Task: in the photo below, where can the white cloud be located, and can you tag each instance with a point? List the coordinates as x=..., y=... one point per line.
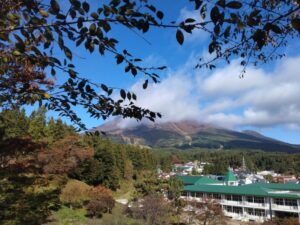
x=261, y=99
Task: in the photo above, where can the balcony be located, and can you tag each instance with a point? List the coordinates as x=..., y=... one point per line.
x=244, y=204
x=285, y=208
x=232, y=203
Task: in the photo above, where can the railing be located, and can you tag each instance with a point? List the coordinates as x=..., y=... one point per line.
x=244, y=204
x=244, y=216
x=285, y=207
x=228, y=202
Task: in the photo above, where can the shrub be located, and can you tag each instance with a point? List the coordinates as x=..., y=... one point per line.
x=75, y=193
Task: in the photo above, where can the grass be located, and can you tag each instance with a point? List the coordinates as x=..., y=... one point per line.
x=67, y=216
x=125, y=190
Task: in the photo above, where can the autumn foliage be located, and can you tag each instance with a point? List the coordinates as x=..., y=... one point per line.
x=63, y=156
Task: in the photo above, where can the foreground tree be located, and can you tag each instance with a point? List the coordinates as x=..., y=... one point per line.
x=153, y=209
x=206, y=213
x=31, y=31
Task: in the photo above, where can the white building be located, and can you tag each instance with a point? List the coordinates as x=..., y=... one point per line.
x=252, y=202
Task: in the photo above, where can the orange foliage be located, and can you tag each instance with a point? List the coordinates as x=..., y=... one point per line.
x=63, y=156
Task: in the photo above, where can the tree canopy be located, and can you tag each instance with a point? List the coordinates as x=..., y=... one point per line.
x=33, y=32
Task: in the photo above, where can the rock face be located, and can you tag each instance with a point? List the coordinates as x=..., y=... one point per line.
x=191, y=134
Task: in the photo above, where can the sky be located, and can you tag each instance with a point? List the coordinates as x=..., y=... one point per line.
x=265, y=100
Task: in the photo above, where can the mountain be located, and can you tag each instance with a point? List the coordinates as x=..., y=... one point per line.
x=188, y=134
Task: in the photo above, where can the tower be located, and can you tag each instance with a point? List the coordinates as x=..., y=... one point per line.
x=244, y=168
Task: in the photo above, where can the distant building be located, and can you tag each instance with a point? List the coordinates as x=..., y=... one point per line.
x=284, y=179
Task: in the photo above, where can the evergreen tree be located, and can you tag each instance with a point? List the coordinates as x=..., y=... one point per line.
x=37, y=124
x=13, y=123
x=56, y=130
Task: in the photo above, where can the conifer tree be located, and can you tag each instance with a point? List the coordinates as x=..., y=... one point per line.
x=37, y=124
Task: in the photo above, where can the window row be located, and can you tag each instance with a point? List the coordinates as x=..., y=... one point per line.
x=255, y=199
x=256, y=212
x=237, y=198
x=282, y=201
x=233, y=209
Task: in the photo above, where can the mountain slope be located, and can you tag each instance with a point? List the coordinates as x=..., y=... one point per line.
x=188, y=135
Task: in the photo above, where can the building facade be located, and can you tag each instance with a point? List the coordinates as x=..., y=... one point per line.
x=251, y=202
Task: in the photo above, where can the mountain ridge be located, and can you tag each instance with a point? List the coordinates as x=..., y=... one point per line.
x=191, y=134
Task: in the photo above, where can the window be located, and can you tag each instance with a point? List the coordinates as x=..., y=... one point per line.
x=192, y=194
x=291, y=202
x=199, y=195
x=228, y=208
x=216, y=196
x=250, y=211
x=259, y=199
x=278, y=201
x=259, y=212
x=237, y=210
x=237, y=198
x=249, y=198
x=184, y=193
x=228, y=197
x=209, y=195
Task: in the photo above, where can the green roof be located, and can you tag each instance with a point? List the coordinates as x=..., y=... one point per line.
x=189, y=180
x=206, y=180
x=249, y=190
x=229, y=176
x=278, y=186
x=197, y=180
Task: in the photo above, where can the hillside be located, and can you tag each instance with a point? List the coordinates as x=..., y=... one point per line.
x=187, y=135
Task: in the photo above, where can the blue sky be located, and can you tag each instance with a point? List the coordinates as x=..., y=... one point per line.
x=266, y=100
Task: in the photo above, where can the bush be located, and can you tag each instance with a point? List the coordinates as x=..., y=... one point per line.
x=75, y=193
x=101, y=201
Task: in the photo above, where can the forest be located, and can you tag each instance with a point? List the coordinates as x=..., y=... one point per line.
x=48, y=170
x=46, y=165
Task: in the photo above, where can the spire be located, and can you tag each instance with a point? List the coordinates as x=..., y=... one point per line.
x=244, y=168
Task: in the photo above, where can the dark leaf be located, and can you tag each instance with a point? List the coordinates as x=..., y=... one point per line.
x=86, y=6
x=160, y=15
x=222, y=3
x=234, y=5
x=198, y=3
x=54, y=7
x=104, y=87
x=179, y=37
x=296, y=24
x=68, y=53
x=133, y=71
x=276, y=29
x=151, y=7
x=93, y=28
x=119, y=58
x=189, y=20
x=134, y=96
x=145, y=85
x=123, y=94
x=215, y=14
x=72, y=73
x=211, y=47
x=94, y=15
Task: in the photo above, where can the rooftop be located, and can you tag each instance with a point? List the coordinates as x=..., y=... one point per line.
x=258, y=189
x=229, y=176
x=197, y=180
